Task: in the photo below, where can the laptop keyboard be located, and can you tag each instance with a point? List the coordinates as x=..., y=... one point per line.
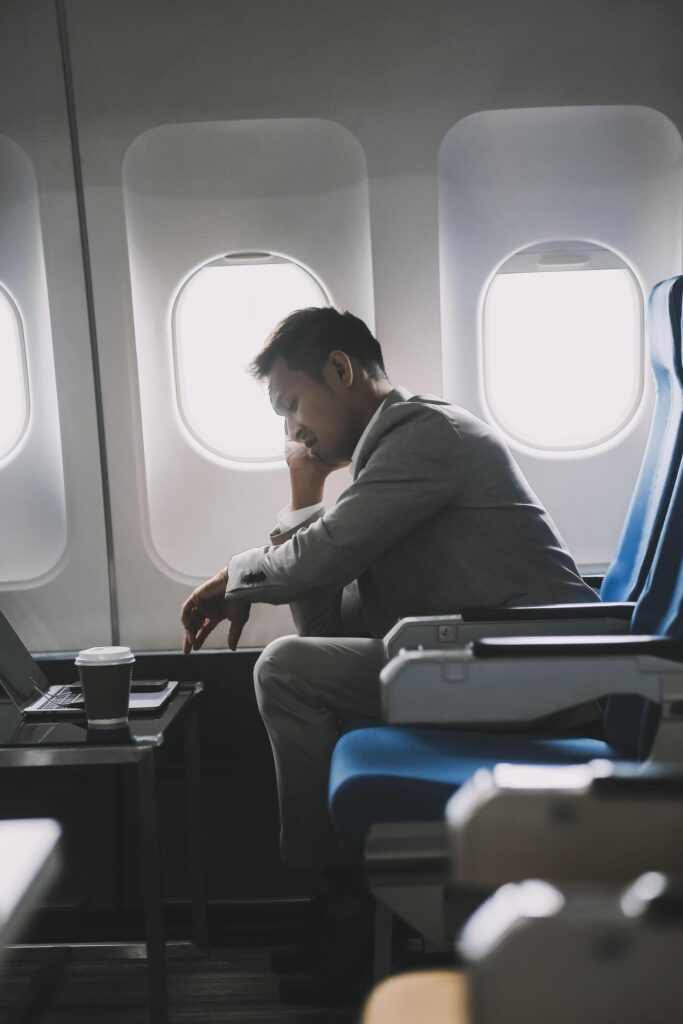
x=63, y=698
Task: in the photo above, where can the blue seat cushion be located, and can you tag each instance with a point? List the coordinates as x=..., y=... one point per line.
x=395, y=773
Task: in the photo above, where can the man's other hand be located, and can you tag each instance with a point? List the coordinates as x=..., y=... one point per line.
x=307, y=474
x=301, y=461
x=206, y=607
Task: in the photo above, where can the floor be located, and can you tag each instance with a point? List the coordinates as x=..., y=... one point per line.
x=232, y=985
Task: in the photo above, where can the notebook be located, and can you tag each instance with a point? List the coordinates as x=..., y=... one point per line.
x=29, y=690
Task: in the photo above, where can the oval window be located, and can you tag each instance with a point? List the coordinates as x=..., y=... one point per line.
x=563, y=346
x=14, y=404
x=221, y=318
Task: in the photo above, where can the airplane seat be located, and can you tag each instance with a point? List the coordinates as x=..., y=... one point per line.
x=626, y=576
x=536, y=953
x=401, y=772
x=628, y=571
x=660, y=607
x=411, y=773
x=407, y=773
x=387, y=783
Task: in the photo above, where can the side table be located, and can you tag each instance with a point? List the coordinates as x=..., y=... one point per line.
x=57, y=743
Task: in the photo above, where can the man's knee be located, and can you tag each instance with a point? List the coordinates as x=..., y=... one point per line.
x=275, y=663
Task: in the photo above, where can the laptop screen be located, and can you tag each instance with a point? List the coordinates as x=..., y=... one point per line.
x=21, y=677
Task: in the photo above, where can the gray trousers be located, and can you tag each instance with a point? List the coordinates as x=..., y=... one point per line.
x=307, y=688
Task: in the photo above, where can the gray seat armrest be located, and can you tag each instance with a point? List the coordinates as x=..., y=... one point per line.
x=458, y=688
x=447, y=632
x=600, y=822
x=618, y=951
x=552, y=612
x=578, y=646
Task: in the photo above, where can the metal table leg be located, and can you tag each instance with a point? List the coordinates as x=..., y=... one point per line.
x=195, y=836
x=152, y=894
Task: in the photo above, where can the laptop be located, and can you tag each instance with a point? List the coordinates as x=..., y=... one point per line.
x=29, y=690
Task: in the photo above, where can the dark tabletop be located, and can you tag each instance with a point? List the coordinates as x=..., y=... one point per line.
x=19, y=734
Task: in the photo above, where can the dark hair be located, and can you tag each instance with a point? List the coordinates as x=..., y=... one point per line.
x=306, y=337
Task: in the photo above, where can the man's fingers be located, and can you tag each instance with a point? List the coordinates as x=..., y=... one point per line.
x=207, y=627
x=199, y=625
x=190, y=614
x=191, y=618
x=237, y=625
x=234, y=634
x=203, y=610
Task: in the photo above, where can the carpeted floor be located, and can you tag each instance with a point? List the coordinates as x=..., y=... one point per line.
x=231, y=986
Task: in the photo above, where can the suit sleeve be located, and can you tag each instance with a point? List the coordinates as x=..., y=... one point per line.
x=317, y=613
x=413, y=471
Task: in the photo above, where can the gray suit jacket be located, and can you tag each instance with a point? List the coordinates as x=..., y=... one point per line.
x=438, y=518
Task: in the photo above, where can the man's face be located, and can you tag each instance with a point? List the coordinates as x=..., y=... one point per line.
x=318, y=413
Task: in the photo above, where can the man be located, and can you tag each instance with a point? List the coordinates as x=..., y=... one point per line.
x=438, y=517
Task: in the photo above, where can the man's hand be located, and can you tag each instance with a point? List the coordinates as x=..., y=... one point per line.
x=307, y=474
x=206, y=607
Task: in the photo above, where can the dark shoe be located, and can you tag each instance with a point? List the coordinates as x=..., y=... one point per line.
x=295, y=958
x=311, y=990
x=300, y=956
x=342, y=971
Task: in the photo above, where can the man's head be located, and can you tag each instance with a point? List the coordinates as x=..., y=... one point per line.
x=325, y=375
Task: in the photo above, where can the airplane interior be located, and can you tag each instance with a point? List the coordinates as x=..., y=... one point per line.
x=413, y=755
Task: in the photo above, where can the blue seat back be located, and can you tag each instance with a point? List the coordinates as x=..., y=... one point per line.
x=660, y=607
x=630, y=722
x=627, y=575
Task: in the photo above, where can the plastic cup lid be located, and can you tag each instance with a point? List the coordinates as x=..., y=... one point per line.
x=105, y=656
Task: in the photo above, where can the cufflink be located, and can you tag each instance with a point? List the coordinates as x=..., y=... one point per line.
x=253, y=577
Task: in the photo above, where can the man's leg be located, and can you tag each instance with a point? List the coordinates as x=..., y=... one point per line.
x=306, y=686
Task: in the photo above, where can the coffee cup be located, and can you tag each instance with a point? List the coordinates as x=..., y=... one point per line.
x=105, y=679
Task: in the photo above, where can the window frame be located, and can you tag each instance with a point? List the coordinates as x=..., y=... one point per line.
x=573, y=256
x=23, y=368
x=239, y=258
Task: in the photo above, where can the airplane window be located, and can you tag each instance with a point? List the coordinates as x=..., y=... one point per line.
x=222, y=316
x=563, y=347
x=13, y=380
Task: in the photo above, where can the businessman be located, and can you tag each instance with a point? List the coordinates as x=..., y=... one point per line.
x=438, y=517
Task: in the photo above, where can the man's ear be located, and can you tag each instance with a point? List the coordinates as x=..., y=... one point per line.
x=342, y=368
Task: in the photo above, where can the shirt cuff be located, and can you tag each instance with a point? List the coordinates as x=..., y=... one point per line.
x=243, y=565
x=289, y=520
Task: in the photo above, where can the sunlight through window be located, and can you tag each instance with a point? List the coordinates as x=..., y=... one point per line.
x=13, y=384
x=562, y=352
x=222, y=317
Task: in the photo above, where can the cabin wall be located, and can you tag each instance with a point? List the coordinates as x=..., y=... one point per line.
x=60, y=600
x=395, y=78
